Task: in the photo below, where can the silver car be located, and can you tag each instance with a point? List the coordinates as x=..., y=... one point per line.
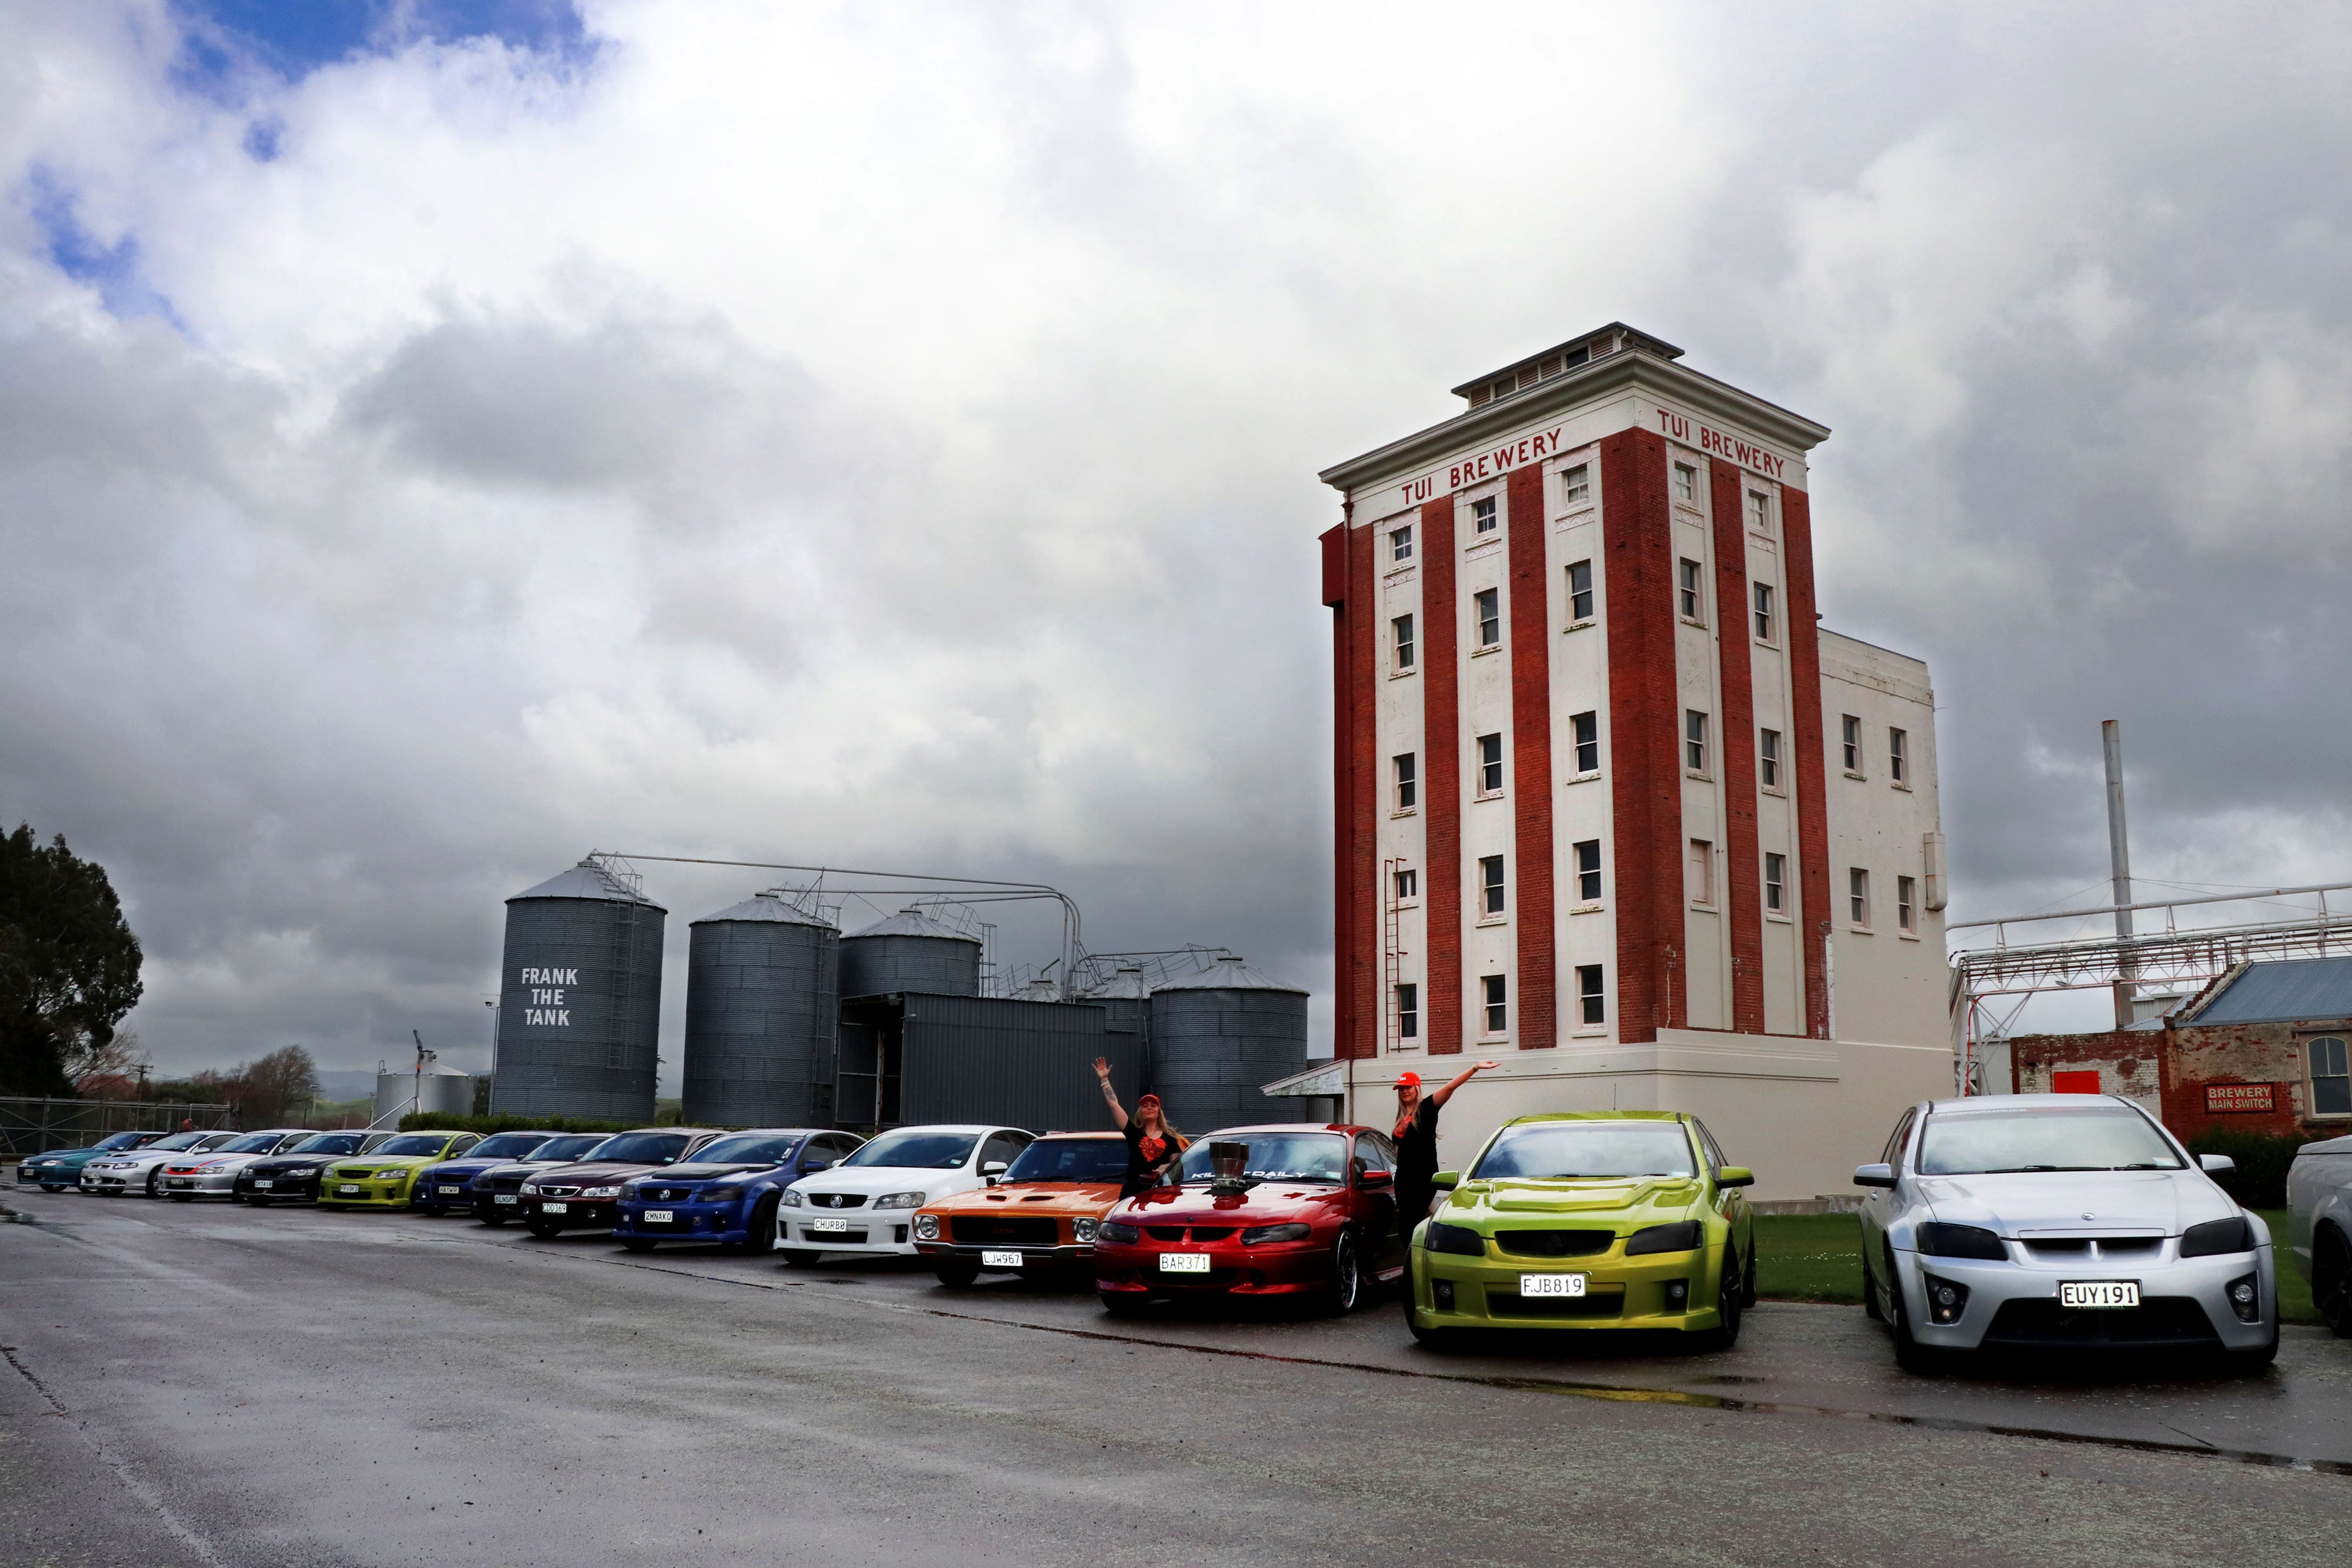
x=213, y=1173
x=2059, y=1222
x=141, y=1170
x=2319, y=1226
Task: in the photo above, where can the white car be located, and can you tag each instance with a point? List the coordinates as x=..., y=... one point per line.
x=214, y=1174
x=2319, y=1226
x=140, y=1170
x=866, y=1204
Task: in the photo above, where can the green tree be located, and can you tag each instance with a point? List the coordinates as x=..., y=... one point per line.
x=274, y=1090
x=68, y=963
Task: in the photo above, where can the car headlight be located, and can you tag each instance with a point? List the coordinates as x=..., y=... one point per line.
x=926, y=1227
x=1457, y=1238
x=720, y=1194
x=900, y=1200
x=1681, y=1236
x=528, y=1190
x=792, y=1200
x=2216, y=1236
x=600, y=1192
x=1947, y=1299
x=2246, y=1299
x=1084, y=1229
x=1291, y=1232
x=390, y=1175
x=1112, y=1230
x=1939, y=1239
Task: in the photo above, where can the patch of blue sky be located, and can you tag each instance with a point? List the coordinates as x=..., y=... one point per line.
x=293, y=37
x=112, y=269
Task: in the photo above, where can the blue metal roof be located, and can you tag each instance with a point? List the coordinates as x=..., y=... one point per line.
x=2289, y=990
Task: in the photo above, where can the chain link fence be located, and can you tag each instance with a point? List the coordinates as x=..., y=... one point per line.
x=29, y=1127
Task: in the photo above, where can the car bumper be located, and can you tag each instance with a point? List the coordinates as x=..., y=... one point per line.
x=570, y=1213
x=281, y=1189
x=2015, y=1306
x=497, y=1204
x=56, y=1178
x=1620, y=1292
x=1062, y=1255
x=1272, y=1268
x=114, y=1181
x=442, y=1195
x=363, y=1194
x=197, y=1186
x=887, y=1234
x=688, y=1222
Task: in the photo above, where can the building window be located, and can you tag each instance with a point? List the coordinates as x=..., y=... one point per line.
x=1700, y=879
x=1407, y=1011
x=1767, y=759
x=1776, y=883
x=1580, y=592
x=1588, y=870
x=1498, y=1011
x=1408, y=885
x=1591, y=1008
x=1763, y=612
x=1851, y=729
x=1695, y=741
x=1587, y=729
x=1576, y=484
x=1490, y=884
x=1858, y=897
x=1905, y=893
x=1760, y=511
x=1403, y=626
x=1490, y=765
x=1482, y=516
x=1401, y=543
x=1490, y=617
x=1685, y=483
x=1689, y=591
x=1898, y=758
x=1406, y=791
x=2331, y=1083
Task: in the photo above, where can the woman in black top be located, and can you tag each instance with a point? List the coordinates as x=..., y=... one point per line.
x=1153, y=1146
x=1416, y=1141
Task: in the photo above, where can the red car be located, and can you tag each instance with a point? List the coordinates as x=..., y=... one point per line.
x=1289, y=1210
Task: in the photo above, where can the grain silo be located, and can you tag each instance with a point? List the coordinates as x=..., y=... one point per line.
x=910, y=951
x=1216, y=1038
x=445, y=1091
x=580, y=1000
x=1125, y=999
x=763, y=984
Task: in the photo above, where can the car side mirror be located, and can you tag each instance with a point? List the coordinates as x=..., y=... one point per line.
x=993, y=1168
x=2214, y=1164
x=1734, y=1176
x=1375, y=1178
x=1873, y=1175
x=815, y=1165
x=1445, y=1181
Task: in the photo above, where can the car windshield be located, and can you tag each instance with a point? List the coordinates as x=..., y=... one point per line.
x=176, y=1141
x=916, y=1148
x=575, y=1147
x=411, y=1145
x=216, y=1140
x=1071, y=1159
x=1276, y=1156
x=329, y=1144
x=123, y=1141
x=2091, y=1138
x=644, y=1148
x=258, y=1144
x=1569, y=1151
x=506, y=1146
x=748, y=1150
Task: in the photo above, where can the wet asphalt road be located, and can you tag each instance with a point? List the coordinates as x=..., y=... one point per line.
x=202, y=1385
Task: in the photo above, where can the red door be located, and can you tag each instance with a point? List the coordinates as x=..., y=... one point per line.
x=2083, y=1082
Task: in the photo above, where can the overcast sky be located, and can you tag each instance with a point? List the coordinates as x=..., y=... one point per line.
x=440, y=439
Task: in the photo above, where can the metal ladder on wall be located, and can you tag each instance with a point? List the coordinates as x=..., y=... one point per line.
x=1391, y=958
x=616, y=1051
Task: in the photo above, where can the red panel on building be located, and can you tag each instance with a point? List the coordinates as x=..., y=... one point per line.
x=1441, y=771
x=1644, y=760
x=2240, y=1099
x=1812, y=781
x=1531, y=803
x=1743, y=867
x=2083, y=1083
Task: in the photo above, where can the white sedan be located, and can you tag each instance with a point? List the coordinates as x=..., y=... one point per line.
x=866, y=1204
x=141, y=1170
x=214, y=1174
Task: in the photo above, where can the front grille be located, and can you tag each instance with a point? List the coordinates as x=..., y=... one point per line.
x=1511, y=1304
x=1191, y=1232
x=2160, y=1321
x=986, y=1230
x=837, y=1199
x=1555, y=1243
x=2060, y=1249
x=359, y=1173
x=846, y=1238
x=559, y=1192
x=503, y=1184
x=1212, y=1232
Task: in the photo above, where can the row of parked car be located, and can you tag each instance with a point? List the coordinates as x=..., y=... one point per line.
x=2023, y=1222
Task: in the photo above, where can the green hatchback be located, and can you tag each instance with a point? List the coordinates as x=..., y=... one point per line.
x=1605, y=1219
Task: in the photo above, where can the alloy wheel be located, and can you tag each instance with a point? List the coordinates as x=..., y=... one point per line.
x=1347, y=1273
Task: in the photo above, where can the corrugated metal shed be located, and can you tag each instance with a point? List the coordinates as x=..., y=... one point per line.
x=2290, y=990
x=1023, y=1064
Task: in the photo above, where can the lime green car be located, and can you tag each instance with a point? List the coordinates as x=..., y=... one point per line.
x=382, y=1177
x=1610, y=1219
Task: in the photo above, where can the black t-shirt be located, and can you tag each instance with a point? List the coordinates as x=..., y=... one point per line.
x=1416, y=1145
x=1144, y=1169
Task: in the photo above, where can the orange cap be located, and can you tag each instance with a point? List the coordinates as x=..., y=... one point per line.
x=1408, y=1081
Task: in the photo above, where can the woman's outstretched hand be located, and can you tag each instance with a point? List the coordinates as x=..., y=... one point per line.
x=1102, y=1066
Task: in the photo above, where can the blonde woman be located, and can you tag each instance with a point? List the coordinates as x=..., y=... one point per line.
x=1153, y=1146
x=1417, y=1141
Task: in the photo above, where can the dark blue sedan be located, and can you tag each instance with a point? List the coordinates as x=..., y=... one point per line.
x=449, y=1185
x=729, y=1194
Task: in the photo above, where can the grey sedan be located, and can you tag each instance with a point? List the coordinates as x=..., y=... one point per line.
x=2059, y=1222
x=2319, y=1226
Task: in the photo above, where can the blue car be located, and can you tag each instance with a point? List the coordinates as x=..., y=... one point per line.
x=729, y=1192
x=59, y=1170
x=449, y=1185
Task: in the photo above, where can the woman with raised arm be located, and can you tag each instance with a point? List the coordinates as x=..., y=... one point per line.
x=1417, y=1141
x=1153, y=1146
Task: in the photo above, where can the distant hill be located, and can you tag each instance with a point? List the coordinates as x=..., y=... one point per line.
x=346, y=1085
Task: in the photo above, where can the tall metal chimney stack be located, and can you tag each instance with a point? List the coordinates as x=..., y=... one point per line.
x=2119, y=866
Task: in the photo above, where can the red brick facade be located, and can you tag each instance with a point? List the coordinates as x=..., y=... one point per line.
x=1743, y=873
x=1815, y=896
x=1348, y=589
x=1441, y=770
x=2177, y=1067
x=1537, y=1003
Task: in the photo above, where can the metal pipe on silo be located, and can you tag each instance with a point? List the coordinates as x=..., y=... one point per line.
x=1217, y=1036
x=580, y=998
x=763, y=1008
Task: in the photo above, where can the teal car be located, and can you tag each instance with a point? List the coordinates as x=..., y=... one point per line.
x=1588, y=1221
x=59, y=1170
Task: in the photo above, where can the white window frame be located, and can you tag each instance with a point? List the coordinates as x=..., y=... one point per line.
x=1494, y=1001
x=1401, y=645
x=1576, y=484
x=1760, y=512
x=1591, y=995
x=1581, y=604
x=1401, y=543
x=1686, y=484
x=1404, y=886
x=1490, y=768
x=1776, y=883
x=1485, y=515
x=1767, y=621
x=1690, y=590
x=1404, y=778
x=1408, y=1000
x=1898, y=757
x=1493, y=888
x=1850, y=739
x=1858, y=897
x=1767, y=760
x=1490, y=625
x=1906, y=903
x=1698, y=874
x=1589, y=885
x=1577, y=724
x=1694, y=743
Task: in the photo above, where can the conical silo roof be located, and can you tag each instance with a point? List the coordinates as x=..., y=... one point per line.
x=768, y=907
x=587, y=880
x=915, y=923
x=1125, y=985
x=1227, y=974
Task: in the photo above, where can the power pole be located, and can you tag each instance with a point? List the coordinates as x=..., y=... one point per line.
x=2111, y=734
